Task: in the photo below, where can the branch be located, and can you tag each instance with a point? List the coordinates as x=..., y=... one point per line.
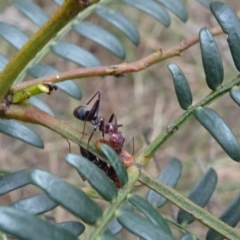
x=116, y=70
x=152, y=148
x=194, y=210
x=28, y=113
x=65, y=13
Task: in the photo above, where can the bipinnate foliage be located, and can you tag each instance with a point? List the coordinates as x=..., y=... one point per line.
x=136, y=214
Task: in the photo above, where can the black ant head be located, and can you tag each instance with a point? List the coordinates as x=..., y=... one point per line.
x=82, y=112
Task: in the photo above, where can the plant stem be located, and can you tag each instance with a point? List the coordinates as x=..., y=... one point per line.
x=117, y=70
x=133, y=174
x=66, y=12
x=82, y=15
x=194, y=210
x=28, y=113
x=152, y=148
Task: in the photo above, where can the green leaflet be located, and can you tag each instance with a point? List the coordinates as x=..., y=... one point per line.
x=95, y=176
x=230, y=24
x=181, y=86
x=176, y=7
x=32, y=11
x=36, y=205
x=29, y=227
x=40, y=104
x=230, y=216
x=121, y=22
x=71, y=198
x=151, y=8
x=170, y=176
x=74, y=227
x=76, y=54
x=219, y=130
x=13, y=181
x=151, y=213
x=101, y=37
x=200, y=194
x=235, y=95
x=13, y=35
x=69, y=86
x=211, y=59
x=17, y=130
x=141, y=227
x=116, y=163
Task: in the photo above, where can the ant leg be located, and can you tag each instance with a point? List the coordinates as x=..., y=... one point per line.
x=98, y=93
x=111, y=118
x=91, y=116
x=102, y=127
x=89, y=139
x=95, y=109
x=93, y=113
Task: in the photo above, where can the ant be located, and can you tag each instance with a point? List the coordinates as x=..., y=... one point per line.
x=87, y=113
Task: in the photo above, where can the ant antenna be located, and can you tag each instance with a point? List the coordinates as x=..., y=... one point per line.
x=133, y=146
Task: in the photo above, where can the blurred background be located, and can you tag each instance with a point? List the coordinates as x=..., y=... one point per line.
x=144, y=102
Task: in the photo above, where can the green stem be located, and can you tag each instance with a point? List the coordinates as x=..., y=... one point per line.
x=59, y=35
x=133, y=173
x=115, y=70
x=180, y=227
x=28, y=113
x=66, y=12
x=151, y=149
x=194, y=210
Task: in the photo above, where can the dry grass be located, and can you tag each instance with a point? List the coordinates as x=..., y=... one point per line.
x=140, y=100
